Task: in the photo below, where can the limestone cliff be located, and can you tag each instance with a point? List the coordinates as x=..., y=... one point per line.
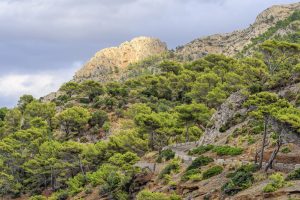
x=232, y=43
x=109, y=63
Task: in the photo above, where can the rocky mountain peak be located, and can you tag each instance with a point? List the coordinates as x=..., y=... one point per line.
x=232, y=43
x=108, y=63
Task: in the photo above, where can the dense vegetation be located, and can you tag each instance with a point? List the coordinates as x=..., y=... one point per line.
x=92, y=134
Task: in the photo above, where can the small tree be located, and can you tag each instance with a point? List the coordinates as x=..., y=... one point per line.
x=92, y=89
x=70, y=88
x=24, y=101
x=73, y=118
x=279, y=53
x=263, y=105
x=192, y=114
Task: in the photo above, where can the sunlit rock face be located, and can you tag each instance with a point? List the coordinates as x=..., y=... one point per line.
x=108, y=64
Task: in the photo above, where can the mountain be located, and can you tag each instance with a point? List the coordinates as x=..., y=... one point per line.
x=233, y=43
x=109, y=63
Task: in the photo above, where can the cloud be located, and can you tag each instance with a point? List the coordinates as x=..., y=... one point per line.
x=12, y=86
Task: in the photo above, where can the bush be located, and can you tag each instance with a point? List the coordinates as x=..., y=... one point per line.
x=75, y=184
x=200, y=150
x=277, y=181
x=213, y=171
x=190, y=173
x=172, y=167
x=285, y=150
x=295, y=175
x=167, y=154
x=38, y=197
x=227, y=150
x=241, y=179
x=199, y=162
x=147, y=195
x=244, y=168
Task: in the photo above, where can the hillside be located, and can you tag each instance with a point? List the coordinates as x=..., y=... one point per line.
x=233, y=43
x=140, y=122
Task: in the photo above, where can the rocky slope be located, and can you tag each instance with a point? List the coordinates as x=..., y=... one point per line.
x=232, y=43
x=109, y=63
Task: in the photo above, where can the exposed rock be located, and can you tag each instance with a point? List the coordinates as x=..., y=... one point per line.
x=109, y=63
x=232, y=43
x=227, y=111
x=232, y=107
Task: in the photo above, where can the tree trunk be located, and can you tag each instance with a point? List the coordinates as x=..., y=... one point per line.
x=263, y=142
x=152, y=140
x=187, y=133
x=274, y=154
x=81, y=168
x=52, y=180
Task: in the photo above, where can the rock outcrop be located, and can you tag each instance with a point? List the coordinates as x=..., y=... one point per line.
x=232, y=43
x=228, y=110
x=108, y=64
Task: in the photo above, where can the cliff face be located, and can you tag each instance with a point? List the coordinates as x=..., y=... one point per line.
x=109, y=63
x=232, y=43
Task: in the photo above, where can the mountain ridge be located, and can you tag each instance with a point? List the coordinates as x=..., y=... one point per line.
x=230, y=44
x=107, y=64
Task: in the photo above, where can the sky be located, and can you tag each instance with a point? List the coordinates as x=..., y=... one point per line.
x=43, y=42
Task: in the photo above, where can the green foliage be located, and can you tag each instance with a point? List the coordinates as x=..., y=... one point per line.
x=70, y=88
x=189, y=174
x=213, y=171
x=38, y=197
x=240, y=180
x=277, y=181
x=3, y=112
x=24, y=101
x=147, y=195
x=98, y=118
x=199, y=162
x=171, y=167
x=227, y=150
x=73, y=118
x=166, y=154
x=285, y=150
x=201, y=149
x=76, y=184
x=294, y=175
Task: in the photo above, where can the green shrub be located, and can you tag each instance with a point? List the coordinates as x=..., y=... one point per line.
x=199, y=162
x=250, y=139
x=190, y=173
x=147, y=195
x=213, y=171
x=277, y=181
x=200, y=150
x=38, y=197
x=75, y=184
x=269, y=188
x=244, y=168
x=285, y=150
x=294, y=175
x=240, y=180
x=227, y=150
x=171, y=167
x=167, y=154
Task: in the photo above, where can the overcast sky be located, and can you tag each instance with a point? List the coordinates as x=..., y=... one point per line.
x=43, y=42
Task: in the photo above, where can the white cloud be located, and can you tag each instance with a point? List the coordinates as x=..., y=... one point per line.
x=12, y=86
